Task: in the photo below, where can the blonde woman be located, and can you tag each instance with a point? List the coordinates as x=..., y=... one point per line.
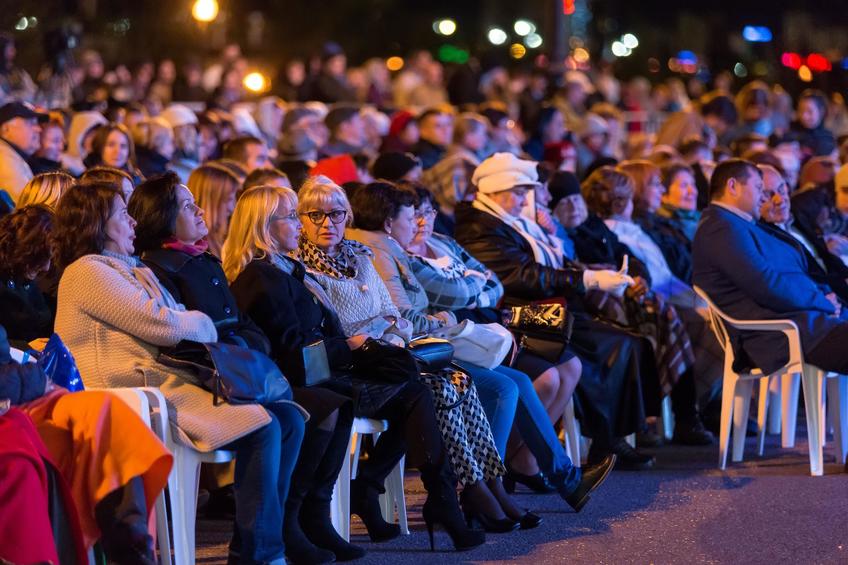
x=293, y=311
x=214, y=189
x=46, y=189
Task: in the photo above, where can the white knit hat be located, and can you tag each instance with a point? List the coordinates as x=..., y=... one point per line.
x=178, y=115
x=503, y=171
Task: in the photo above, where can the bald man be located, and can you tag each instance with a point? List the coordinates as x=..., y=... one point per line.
x=776, y=218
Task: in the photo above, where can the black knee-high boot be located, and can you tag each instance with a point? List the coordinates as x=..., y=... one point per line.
x=122, y=519
x=298, y=547
x=315, y=514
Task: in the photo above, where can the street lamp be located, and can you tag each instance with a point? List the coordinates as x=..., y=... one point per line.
x=204, y=11
x=497, y=36
x=445, y=27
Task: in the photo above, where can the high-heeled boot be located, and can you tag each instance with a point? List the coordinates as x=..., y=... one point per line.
x=365, y=503
x=441, y=507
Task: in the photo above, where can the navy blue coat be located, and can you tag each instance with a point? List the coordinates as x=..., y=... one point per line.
x=750, y=274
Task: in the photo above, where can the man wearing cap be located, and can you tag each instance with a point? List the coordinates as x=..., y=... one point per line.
x=19, y=140
x=531, y=267
x=347, y=131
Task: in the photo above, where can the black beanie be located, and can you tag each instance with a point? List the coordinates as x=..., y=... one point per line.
x=393, y=166
x=562, y=184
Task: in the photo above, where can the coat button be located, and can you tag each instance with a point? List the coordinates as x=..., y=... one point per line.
x=215, y=281
x=228, y=310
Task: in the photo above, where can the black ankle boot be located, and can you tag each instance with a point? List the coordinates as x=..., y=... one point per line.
x=365, y=503
x=441, y=507
x=122, y=519
x=316, y=524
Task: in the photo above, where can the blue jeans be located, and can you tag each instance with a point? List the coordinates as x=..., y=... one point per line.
x=496, y=389
x=265, y=460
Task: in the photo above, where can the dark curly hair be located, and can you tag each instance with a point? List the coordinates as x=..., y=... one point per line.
x=25, y=244
x=154, y=206
x=81, y=217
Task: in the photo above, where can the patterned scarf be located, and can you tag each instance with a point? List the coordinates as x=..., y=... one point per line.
x=342, y=266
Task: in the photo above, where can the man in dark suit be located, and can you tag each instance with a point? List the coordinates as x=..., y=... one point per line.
x=776, y=218
x=751, y=274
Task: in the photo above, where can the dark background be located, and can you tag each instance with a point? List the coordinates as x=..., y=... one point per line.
x=276, y=30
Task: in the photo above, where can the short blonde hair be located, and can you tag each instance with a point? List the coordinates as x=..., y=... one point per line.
x=320, y=190
x=211, y=185
x=250, y=237
x=46, y=189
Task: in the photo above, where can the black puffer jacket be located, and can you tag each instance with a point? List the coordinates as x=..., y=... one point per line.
x=508, y=255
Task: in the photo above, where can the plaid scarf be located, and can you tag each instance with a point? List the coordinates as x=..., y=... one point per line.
x=342, y=266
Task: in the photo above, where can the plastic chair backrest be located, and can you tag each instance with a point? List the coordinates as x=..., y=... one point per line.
x=717, y=318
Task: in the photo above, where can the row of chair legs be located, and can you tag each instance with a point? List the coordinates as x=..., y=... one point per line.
x=773, y=415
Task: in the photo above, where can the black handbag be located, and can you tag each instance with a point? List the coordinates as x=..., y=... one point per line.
x=432, y=354
x=543, y=329
x=369, y=396
x=237, y=374
x=383, y=362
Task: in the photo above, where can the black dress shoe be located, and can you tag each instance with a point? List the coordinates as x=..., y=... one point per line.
x=529, y=521
x=538, y=483
x=630, y=459
x=693, y=434
x=648, y=439
x=592, y=477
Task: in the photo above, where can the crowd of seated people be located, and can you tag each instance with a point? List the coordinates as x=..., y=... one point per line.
x=365, y=219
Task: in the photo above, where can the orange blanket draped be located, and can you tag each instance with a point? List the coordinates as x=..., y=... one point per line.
x=98, y=444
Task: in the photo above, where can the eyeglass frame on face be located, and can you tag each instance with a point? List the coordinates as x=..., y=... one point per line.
x=292, y=216
x=317, y=217
x=426, y=215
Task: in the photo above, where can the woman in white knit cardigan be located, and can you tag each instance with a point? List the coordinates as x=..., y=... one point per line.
x=113, y=315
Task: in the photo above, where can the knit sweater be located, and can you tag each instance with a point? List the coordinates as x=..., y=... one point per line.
x=360, y=299
x=113, y=326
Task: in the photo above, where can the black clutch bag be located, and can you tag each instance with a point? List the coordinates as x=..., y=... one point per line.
x=432, y=354
x=237, y=374
x=542, y=329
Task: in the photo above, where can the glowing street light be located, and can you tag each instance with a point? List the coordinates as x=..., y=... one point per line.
x=497, y=36
x=629, y=40
x=533, y=40
x=256, y=82
x=205, y=11
x=444, y=27
x=517, y=51
x=394, y=63
x=619, y=49
x=523, y=27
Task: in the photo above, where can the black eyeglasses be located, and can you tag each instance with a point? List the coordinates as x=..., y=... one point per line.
x=425, y=214
x=317, y=217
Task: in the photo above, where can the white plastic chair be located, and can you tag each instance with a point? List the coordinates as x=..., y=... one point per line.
x=736, y=390
x=571, y=433
x=183, y=481
x=392, y=500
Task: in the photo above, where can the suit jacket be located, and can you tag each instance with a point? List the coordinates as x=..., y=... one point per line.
x=834, y=272
x=751, y=274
